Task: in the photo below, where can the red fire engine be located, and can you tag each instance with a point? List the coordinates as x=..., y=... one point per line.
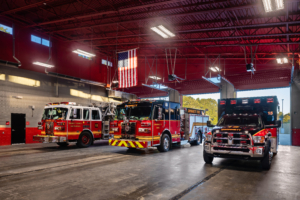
x=67, y=122
x=142, y=124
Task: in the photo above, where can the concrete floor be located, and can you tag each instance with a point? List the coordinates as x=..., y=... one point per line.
x=45, y=171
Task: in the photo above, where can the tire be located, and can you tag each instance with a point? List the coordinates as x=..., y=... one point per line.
x=207, y=159
x=85, y=140
x=63, y=144
x=198, y=141
x=165, y=143
x=267, y=160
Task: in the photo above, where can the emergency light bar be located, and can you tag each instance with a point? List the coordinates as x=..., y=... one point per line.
x=270, y=100
x=61, y=103
x=245, y=101
x=233, y=102
x=256, y=100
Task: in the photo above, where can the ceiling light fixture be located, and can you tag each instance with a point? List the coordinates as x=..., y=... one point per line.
x=163, y=32
x=84, y=53
x=166, y=31
x=159, y=32
x=155, y=77
x=116, y=81
x=215, y=69
x=283, y=60
x=273, y=5
x=43, y=64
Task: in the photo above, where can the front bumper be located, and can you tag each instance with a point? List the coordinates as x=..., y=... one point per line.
x=129, y=143
x=254, y=152
x=49, y=138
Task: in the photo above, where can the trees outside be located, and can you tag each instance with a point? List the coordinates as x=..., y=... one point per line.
x=286, y=117
x=203, y=104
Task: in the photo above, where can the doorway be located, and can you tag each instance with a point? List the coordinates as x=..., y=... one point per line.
x=18, y=128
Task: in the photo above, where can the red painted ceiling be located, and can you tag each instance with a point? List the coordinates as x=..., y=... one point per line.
x=204, y=29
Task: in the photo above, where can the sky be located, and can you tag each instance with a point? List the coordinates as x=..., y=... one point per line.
x=281, y=93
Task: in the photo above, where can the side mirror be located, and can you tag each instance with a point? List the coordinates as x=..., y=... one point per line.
x=278, y=123
x=209, y=124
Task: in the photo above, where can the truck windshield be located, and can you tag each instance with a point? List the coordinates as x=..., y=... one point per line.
x=134, y=113
x=55, y=113
x=239, y=121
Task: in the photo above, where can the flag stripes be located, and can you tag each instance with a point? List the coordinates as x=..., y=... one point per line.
x=127, y=68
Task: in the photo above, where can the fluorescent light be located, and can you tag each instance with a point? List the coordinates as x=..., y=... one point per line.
x=166, y=31
x=279, y=61
x=279, y=4
x=155, y=77
x=84, y=53
x=267, y=5
x=217, y=68
x=282, y=60
x=159, y=32
x=213, y=69
x=115, y=81
x=43, y=64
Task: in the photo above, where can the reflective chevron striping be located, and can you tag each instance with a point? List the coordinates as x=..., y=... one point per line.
x=128, y=143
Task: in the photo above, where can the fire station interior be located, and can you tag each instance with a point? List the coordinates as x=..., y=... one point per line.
x=92, y=57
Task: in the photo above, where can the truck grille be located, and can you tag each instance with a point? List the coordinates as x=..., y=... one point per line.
x=130, y=133
x=235, y=138
x=49, y=128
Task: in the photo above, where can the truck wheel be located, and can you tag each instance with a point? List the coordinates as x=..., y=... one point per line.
x=198, y=139
x=85, y=140
x=267, y=160
x=208, y=159
x=164, y=143
x=63, y=144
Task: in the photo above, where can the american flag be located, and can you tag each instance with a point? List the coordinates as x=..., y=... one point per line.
x=127, y=69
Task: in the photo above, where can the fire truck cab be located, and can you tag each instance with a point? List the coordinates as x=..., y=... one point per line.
x=67, y=122
x=143, y=124
x=247, y=129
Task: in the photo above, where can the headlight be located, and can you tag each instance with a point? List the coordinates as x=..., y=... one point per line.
x=59, y=128
x=258, y=139
x=217, y=131
x=246, y=132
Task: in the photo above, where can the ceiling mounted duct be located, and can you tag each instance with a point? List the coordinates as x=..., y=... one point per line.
x=71, y=78
x=9, y=64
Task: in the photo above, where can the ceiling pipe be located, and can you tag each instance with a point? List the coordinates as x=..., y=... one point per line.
x=14, y=50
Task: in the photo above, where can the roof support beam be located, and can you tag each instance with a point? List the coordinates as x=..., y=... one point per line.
x=201, y=39
x=158, y=17
x=26, y=7
x=123, y=10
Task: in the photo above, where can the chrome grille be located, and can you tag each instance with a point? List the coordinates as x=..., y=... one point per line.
x=128, y=134
x=231, y=138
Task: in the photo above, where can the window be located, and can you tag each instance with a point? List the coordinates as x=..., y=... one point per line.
x=45, y=42
x=86, y=114
x=6, y=29
x=106, y=62
x=95, y=115
x=76, y=113
x=174, y=111
x=89, y=58
x=36, y=39
x=39, y=40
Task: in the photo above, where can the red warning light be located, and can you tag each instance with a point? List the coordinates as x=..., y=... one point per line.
x=270, y=100
x=256, y=100
x=233, y=102
x=222, y=102
x=7, y=123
